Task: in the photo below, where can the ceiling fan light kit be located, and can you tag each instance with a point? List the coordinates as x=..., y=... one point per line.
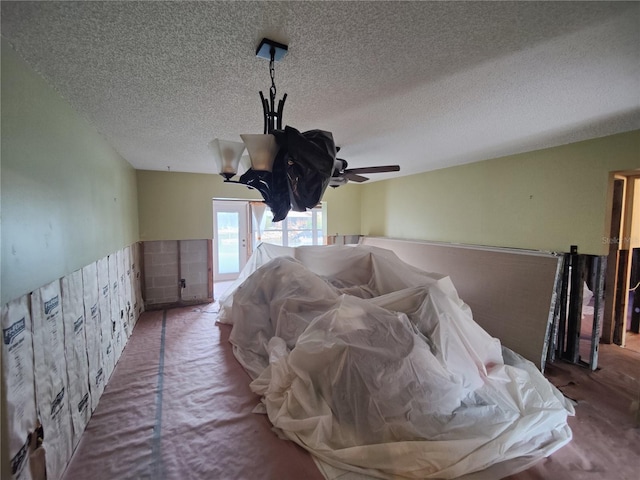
x=290, y=169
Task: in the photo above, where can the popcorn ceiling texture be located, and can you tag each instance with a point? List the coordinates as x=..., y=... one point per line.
x=422, y=84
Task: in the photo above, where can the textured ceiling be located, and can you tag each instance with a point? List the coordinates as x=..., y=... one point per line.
x=422, y=84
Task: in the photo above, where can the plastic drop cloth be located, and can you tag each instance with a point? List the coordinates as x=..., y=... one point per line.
x=378, y=368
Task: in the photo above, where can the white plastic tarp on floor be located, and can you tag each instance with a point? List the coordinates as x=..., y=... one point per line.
x=378, y=368
x=18, y=383
x=75, y=350
x=52, y=389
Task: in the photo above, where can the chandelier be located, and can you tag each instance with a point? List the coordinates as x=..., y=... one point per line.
x=290, y=169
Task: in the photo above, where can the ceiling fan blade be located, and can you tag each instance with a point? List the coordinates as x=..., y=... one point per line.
x=352, y=177
x=380, y=169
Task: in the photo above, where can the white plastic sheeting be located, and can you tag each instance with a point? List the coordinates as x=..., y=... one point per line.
x=106, y=322
x=119, y=336
x=127, y=291
x=57, y=355
x=18, y=383
x=52, y=388
x=379, y=368
x=93, y=331
x=136, y=273
x=75, y=350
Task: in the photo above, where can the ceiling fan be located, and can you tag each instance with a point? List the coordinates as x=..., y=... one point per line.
x=342, y=175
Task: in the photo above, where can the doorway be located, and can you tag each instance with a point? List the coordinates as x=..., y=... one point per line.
x=622, y=306
x=230, y=234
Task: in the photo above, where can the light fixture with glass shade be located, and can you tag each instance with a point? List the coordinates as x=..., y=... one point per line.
x=262, y=150
x=290, y=169
x=227, y=155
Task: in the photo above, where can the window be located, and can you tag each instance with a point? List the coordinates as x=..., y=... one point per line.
x=299, y=228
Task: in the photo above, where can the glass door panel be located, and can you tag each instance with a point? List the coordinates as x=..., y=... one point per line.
x=228, y=242
x=230, y=238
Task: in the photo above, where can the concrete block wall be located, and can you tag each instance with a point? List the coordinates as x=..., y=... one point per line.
x=194, y=268
x=167, y=262
x=343, y=239
x=161, y=272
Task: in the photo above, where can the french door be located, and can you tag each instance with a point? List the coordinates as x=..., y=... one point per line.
x=230, y=234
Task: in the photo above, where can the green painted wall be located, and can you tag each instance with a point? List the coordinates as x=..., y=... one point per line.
x=177, y=206
x=343, y=209
x=68, y=198
x=544, y=200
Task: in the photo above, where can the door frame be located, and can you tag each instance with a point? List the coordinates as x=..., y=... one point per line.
x=620, y=220
x=241, y=207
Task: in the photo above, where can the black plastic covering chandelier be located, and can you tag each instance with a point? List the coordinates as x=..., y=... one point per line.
x=290, y=169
